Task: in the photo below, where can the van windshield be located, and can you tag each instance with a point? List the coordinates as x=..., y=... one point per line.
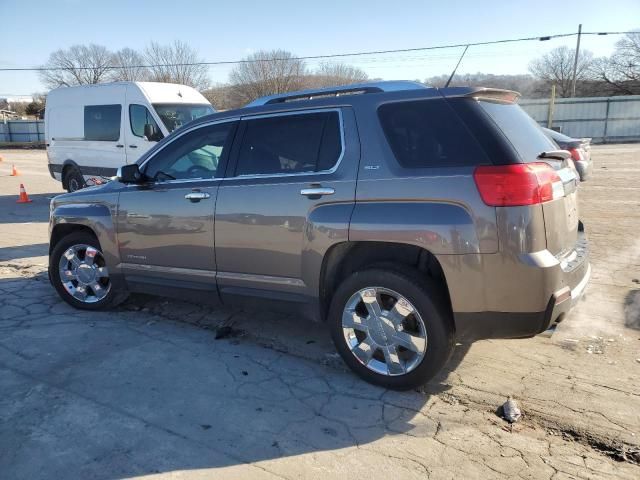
x=174, y=115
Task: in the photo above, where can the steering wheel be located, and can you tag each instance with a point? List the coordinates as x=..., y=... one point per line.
x=195, y=171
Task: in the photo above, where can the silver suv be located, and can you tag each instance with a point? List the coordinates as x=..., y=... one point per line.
x=406, y=217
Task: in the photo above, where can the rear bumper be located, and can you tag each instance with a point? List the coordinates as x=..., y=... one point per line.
x=584, y=169
x=559, y=283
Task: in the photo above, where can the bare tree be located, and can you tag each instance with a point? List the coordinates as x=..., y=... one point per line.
x=621, y=70
x=267, y=73
x=329, y=74
x=557, y=67
x=224, y=97
x=80, y=64
x=130, y=66
x=176, y=63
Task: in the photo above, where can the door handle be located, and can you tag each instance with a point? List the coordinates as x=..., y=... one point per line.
x=317, y=191
x=197, y=196
x=133, y=146
x=138, y=216
x=120, y=145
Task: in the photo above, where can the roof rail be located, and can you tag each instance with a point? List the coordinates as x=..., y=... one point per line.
x=355, y=88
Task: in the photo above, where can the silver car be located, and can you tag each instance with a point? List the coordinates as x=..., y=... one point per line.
x=407, y=218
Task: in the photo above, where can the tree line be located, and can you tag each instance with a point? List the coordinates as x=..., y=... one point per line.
x=618, y=74
x=262, y=73
x=269, y=72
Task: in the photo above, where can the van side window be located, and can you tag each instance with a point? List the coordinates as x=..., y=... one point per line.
x=428, y=133
x=102, y=122
x=139, y=116
x=296, y=143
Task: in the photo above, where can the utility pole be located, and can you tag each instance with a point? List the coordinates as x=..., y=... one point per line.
x=575, y=63
x=552, y=104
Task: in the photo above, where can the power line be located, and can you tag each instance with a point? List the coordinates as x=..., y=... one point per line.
x=318, y=57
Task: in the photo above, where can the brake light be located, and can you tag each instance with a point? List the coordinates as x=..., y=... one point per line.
x=575, y=154
x=518, y=184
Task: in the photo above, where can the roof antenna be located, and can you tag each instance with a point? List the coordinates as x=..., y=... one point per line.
x=457, y=65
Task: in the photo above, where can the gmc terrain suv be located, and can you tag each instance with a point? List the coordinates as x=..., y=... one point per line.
x=406, y=217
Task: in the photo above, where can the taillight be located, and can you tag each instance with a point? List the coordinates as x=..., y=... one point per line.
x=575, y=154
x=518, y=184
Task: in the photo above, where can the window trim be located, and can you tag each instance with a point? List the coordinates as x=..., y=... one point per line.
x=233, y=176
x=150, y=114
x=186, y=131
x=84, y=121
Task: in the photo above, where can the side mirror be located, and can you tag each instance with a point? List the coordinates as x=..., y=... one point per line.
x=149, y=132
x=129, y=173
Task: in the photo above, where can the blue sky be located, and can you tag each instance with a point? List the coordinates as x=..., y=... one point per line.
x=32, y=29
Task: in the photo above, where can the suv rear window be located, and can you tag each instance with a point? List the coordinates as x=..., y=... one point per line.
x=523, y=132
x=428, y=133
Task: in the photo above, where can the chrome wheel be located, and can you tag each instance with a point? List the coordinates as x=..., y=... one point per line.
x=84, y=274
x=384, y=331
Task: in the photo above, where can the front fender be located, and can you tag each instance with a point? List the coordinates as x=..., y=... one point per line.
x=98, y=217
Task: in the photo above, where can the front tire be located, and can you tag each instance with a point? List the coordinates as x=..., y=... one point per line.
x=390, y=327
x=79, y=273
x=73, y=179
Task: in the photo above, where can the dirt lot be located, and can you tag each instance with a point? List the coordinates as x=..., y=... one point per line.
x=148, y=390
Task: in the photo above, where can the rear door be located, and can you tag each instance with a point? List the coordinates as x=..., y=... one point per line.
x=529, y=141
x=289, y=169
x=102, y=150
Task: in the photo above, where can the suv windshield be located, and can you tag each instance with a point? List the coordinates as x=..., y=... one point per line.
x=523, y=132
x=174, y=115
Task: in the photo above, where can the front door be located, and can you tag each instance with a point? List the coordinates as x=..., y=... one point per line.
x=165, y=225
x=287, y=192
x=136, y=143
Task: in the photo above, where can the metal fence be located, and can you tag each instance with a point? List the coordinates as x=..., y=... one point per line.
x=23, y=131
x=605, y=119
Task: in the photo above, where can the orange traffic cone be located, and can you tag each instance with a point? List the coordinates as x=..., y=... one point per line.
x=1, y=158
x=24, y=198
x=14, y=171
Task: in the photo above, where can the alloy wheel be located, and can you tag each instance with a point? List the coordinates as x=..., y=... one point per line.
x=384, y=331
x=84, y=274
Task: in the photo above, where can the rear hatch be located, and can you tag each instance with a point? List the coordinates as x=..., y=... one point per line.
x=534, y=150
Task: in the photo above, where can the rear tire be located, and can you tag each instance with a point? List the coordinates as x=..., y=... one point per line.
x=73, y=179
x=408, y=312
x=79, y=274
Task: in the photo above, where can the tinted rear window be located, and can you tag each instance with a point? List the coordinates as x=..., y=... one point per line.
x=523, y=132
x=428, y=133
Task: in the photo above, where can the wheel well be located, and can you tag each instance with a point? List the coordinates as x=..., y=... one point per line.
x=63, y=176
x=346, y=258
x=64, y=229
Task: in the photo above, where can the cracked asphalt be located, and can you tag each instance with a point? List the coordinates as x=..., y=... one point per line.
x=147, y=390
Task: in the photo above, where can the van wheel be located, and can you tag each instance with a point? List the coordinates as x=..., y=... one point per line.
x=73, y=179
x=389, y=327
x=79, y=273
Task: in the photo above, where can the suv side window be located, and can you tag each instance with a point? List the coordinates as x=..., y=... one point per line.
x=428, y=133
x=102, y=122
x=194, y=155
x=139, y=116
x=284, y=144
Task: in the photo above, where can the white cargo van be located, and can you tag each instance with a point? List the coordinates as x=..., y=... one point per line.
x=91, y=130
